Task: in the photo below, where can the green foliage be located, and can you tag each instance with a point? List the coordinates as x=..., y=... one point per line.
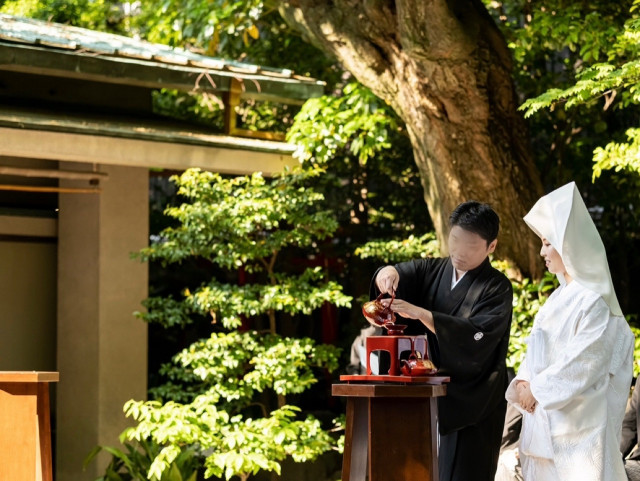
x=228, y=303
x=133, y=463
x=528, y=298
x=615, y=81
x=267, y=116
x=618, y=45
x=558, y=26
x=166, y=311
x=575, y=62
x=235, y=445
x=105, y=15
x=592, y=84
x=217, y=393
x=357, y=120
x=618, y=156
x=242, y=221
x=243, y=30
x=636, y=348
x=370, y=178
x=394, y=251
x=201, y=23
x=235, y=366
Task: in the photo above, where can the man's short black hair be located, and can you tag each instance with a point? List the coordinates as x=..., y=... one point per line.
x=476, y=217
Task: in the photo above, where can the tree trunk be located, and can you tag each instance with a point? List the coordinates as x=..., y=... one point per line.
x=445, y=68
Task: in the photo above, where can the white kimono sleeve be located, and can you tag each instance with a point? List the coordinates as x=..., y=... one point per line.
x=523, y=375
x=523, y=371
x=584, y=363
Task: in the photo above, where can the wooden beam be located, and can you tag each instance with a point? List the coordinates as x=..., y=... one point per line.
x=151, y=74
x=52, y=174
x=260, y=134
x=102, y=149
x=28, y=226
x=56, y=190
x=115, y=126
x=231, y=101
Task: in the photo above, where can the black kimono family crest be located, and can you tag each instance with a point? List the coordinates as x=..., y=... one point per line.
x=472, y=324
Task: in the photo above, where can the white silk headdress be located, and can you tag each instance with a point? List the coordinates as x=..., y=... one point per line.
x=562, y=218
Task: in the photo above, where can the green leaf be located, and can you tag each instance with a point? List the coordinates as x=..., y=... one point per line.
x=90, y=457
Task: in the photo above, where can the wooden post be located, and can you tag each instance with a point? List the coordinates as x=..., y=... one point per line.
x=231, y=100
x=25, y=426
x=391, y=431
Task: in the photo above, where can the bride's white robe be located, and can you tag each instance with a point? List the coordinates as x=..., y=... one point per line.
x=579, y=364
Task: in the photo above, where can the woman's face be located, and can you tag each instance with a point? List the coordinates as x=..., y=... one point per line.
x=552, y=259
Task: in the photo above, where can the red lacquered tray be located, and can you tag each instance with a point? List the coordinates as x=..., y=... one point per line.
x=396, y=379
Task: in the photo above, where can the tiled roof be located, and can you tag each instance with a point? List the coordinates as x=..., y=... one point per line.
x=41, y=37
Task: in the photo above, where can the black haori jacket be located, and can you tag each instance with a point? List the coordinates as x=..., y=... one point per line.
x=472, y=324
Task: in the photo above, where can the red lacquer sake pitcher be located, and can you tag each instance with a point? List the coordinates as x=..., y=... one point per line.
x=379, y=315
x=416, y=365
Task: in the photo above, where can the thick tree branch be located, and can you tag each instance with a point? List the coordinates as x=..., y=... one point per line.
x=444, y=66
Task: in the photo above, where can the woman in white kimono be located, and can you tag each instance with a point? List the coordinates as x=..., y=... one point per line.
x=573, y=385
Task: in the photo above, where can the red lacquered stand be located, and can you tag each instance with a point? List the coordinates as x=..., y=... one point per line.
x=388, y=344
x=391, y=432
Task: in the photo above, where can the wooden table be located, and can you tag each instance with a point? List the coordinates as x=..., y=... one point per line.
x=391, y=432
x=25, y=425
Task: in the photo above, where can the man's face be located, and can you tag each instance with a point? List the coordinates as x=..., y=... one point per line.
x=467, y=249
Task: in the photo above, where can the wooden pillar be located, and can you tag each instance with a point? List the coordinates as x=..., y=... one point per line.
x=25, y=426
x=102, y=347
x=231, y=100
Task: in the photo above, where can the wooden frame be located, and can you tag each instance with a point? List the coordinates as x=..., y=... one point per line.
x=25, y=426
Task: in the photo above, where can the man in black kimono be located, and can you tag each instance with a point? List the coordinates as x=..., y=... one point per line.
x=464, y=306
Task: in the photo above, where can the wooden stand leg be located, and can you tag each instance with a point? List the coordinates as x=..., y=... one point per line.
x=44, y=433
x=401, y=430
x=434, y=437
x=354, y=467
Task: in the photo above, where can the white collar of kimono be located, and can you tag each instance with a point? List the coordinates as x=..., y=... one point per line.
x=562, y=218
x=455, y=278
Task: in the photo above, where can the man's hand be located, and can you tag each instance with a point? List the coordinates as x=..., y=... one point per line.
x=525, y=397
x=387, y=280
x=410, y=311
